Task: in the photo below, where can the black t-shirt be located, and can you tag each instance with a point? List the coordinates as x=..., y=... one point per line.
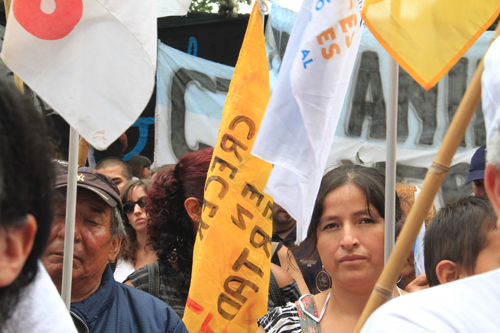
x=309, y=264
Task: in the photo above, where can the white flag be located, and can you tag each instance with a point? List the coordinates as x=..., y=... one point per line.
x=93, y=61
x=300, y=121
x=490, y=85
x=172, y=7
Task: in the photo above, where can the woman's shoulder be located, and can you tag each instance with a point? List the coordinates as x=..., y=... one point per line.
x=140, y=278
x=123, y=270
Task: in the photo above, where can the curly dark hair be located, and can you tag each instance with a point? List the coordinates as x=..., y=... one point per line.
x=129, y=243
x=26, y=181
x=170, y=229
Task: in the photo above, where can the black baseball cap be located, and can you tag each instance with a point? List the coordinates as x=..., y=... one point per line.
x=477, y=165
x=100, y=184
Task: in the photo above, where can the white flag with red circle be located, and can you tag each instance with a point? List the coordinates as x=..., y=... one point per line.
x=93, y=61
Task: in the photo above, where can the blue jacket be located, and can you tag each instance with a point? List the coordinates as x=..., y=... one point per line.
x=115, y=307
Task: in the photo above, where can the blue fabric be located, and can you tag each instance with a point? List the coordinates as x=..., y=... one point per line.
x=116, y=307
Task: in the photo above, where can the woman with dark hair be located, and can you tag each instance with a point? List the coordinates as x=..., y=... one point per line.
x=347, y=229
x=141, y=166
x=134, y=251
x=174, y=207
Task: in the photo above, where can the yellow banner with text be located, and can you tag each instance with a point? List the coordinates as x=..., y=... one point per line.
x=232, y=254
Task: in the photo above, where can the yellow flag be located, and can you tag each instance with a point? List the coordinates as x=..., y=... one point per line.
x=231, y=266
x=428, y=37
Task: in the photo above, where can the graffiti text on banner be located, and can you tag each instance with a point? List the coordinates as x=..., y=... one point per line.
x=191, y=100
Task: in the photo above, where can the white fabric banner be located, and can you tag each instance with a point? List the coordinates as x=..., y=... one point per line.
x=490, y=83
x=93, y=61
x=190, y=96
x=172, y=7
x=306, y=103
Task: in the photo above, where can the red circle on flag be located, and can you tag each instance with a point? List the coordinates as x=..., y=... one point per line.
x=55, y=25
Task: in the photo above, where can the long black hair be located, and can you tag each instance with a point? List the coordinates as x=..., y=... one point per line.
x=26, y=181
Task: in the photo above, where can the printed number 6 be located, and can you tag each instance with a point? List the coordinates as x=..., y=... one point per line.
x=55, y=25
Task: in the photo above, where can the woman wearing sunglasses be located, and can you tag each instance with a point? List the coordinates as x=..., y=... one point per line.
x=174, y=207
x=134, y=253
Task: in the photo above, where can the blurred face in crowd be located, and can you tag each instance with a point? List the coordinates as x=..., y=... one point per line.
x=408, y=272
x=282, y=221
x=116, y=174
x=350, y=239
x=146, y=172
x=281, y=216
x=94, y=244
x=492, y=185
x=478, y=187
x=137, y=218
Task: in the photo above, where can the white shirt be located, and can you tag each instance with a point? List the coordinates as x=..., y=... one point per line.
x=40, y=309
x=468, y=305
x=123, y=270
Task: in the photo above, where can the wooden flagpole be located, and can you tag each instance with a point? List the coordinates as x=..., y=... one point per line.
x=83, y=151
x=383, y=288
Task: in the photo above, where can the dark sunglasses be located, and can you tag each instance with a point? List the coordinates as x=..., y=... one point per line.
x=128, y=207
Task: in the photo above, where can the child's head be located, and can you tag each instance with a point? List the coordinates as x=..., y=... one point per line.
x=455, y=239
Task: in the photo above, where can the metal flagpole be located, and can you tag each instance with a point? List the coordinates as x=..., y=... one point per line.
x=69, y=231
x=262, y=10
x=391, y=145
x=390, y=158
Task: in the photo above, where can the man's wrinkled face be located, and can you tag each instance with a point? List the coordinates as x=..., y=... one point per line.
x=94, y=245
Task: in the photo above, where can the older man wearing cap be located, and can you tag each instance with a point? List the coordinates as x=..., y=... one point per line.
x=470, y=304
x=98, y=302
x=476, y=171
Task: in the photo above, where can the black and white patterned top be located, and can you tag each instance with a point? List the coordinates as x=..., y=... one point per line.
x=293, y=317
x=289, y=293
x=284, y=319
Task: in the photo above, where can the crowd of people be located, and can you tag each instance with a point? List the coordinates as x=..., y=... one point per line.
x=135, y=232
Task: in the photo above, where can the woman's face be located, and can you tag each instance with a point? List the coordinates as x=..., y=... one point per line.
x=137, y=218
x=146, y=172
x=350, y=241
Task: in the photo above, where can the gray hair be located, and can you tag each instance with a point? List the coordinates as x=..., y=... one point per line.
x=493, y=149
x=117, y=227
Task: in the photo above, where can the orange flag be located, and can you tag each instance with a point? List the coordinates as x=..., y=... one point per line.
x=231, y=267
x=427, y=37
